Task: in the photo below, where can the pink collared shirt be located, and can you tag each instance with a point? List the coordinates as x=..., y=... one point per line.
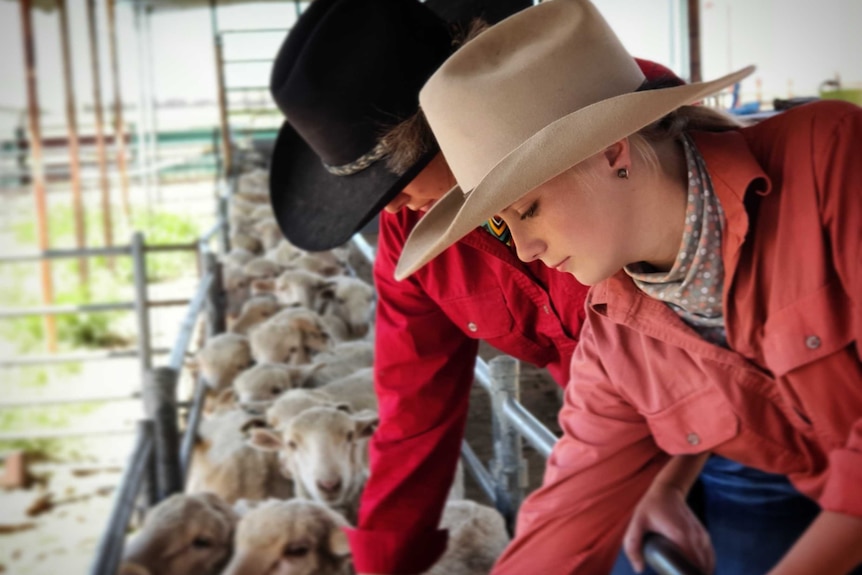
x=787, y=396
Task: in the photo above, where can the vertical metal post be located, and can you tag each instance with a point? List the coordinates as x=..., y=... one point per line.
x=74, y=150
x=101, y=152
x=224, y=120
x=223, y=214
x=142, y=312
x=38, y=170
x=215, y=304
x=694, y=40
x=119, y=130
x=508, y=466
x=160, y=405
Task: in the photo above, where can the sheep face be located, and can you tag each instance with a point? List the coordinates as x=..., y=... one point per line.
x=323, y=447
x=324, y=450
x=223, y=358
x=350, y=299
x=293, y=336
x=184, y=534
x=298, y=287
x=290, y=538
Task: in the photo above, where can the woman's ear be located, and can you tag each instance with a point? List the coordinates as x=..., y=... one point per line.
x=618, y=155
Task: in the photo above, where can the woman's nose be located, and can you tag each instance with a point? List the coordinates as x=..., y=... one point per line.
x=527, y=248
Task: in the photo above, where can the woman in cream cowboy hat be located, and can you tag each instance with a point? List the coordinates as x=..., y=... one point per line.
x=725, y=312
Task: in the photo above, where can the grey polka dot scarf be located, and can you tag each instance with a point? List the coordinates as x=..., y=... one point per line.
x=694, y=285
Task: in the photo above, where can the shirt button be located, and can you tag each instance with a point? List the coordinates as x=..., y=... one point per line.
x=546, y=308
x=472, y=326
x=812, y=342
x=693, y=439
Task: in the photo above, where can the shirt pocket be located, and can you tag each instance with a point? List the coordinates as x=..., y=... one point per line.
x=811, y=328
x=482, y=315
x=699, y=422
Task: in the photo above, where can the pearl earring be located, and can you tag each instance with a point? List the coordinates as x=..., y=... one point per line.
x=623, y=173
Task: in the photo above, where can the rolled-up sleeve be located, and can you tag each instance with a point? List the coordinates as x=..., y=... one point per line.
x=595, y=476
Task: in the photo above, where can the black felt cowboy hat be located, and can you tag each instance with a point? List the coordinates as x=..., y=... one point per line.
x=347, y=71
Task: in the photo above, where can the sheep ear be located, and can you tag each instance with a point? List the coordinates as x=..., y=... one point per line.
x=343, y=407
x=264, y=440
x=366, y=422
x=252, y=424
x=263, y=286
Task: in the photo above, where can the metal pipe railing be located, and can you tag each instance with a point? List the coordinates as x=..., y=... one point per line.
x=110, y=547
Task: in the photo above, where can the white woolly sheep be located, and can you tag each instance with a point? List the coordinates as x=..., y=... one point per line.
x=284, y=253
x=268, y=231
x=344, y=359
x=324, y=263
x=222, y=358
x=183, y=534
x=294, y=537
x=292, y=336
x=356, y=390
x=258, y=387
x=223, y=463
x=295, y=401
x=255, y=310
x=261, y=268
x=325, y=451
x=349, y=299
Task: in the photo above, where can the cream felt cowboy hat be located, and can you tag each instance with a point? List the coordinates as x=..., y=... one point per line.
x=524, y=101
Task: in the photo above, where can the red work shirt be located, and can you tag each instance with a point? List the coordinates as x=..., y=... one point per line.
x=786, y=398
x=427, y=331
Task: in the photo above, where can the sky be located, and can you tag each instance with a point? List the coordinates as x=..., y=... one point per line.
x=796, y=44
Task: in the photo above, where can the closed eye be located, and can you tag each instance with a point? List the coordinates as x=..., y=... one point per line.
x=531, y=211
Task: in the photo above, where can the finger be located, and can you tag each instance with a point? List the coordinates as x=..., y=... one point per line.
x=633, y=545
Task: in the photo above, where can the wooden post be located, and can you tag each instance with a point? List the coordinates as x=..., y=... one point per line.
x=38, y=170
x=119, y=131
x=74, y=150
x=694, y=40
x=101, y=152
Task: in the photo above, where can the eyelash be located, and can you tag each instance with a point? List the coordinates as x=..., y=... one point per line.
x=531, y=211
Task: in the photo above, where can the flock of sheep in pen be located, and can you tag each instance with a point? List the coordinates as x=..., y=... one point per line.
x=282, y=452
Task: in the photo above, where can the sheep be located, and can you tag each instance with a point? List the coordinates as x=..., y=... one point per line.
x=182, y=534
x=261, y=268
x=242, y=239
x=236, y=257
x=294, y=537
x=284, y=253
x=268, y=231
x=295, y=401
x=222, y=462
x=324, y=263
x=222, y=358
x=356, y=390
x=296, y=287
x=305, y=538
x=254, y=311
x=344, y=359
x=292, y=336
x=325, y=452
x=348, y=298
x=259, y=386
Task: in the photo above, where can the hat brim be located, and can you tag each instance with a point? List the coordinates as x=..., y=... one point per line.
x=317, y=210
x=548, y=153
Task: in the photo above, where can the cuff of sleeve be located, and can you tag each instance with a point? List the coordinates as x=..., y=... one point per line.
x=842, y=493
x=400, y=552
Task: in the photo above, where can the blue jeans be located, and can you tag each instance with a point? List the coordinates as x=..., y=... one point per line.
x=753, y=518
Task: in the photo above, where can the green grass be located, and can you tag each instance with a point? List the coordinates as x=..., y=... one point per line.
x=50, y=417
